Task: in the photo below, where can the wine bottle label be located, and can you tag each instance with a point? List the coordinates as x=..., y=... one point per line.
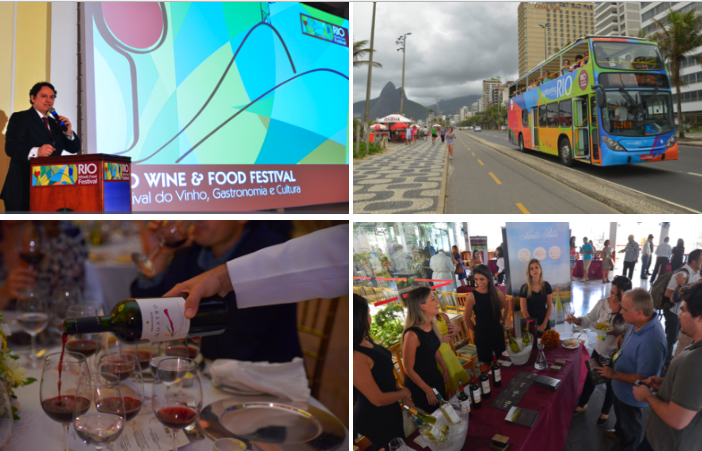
x=450, y=414
x=486, y=386
x=498, y=376
x=163, y=319
x=465, y=406
x=431, y=431
x=476, y=395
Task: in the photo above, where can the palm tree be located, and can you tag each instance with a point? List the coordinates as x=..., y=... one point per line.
x=676, y=40
x=360, y=52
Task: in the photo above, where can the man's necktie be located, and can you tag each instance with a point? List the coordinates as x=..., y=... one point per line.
x=46, y=124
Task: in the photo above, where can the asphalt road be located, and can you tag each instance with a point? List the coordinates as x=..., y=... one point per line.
x=484, y=181
x=678, y=181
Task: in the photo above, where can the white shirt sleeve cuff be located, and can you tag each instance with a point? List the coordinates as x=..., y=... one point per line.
x=33, y=153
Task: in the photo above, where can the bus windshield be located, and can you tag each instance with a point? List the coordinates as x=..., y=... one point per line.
x=638, y=113
x=627, y=55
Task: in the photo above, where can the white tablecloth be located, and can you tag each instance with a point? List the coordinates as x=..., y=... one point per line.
x=35, y=431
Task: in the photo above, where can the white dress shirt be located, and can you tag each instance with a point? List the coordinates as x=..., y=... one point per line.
x=664, y=250
x=309, y=267
x=34, y=152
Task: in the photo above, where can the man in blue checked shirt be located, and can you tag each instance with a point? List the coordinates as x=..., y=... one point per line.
x=631, y=258
x=641, y=355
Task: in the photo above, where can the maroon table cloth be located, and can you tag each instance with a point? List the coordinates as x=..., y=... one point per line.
x=595, y=271
x=502, y=288
x=555, y=407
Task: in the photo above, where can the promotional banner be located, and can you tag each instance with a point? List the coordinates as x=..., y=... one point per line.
x=544, y=241
x=205, y=97
x=479, y=243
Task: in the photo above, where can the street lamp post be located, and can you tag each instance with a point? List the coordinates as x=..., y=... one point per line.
x=544, y=27
x=402, y=40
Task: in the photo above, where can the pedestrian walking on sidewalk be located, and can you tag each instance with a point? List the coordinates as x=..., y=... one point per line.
x=450, y=136
x=414, y=135
x=433, y=135
x=443, y=134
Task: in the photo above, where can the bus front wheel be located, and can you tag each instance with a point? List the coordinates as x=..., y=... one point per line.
x=521, y=144
x=565, y=153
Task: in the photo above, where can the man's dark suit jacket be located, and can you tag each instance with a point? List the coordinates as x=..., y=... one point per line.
x=253, y=334
x=25, y=131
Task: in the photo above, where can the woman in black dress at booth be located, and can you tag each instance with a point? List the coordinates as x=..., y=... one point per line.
x=490, y=308
x=535, y=297
x=421, y=341
x=376, y=413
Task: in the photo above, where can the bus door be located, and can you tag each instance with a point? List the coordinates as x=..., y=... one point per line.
x=594, y=130
x=581, y=132
x=533, y=128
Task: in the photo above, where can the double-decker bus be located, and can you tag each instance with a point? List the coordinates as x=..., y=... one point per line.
x=613, y=107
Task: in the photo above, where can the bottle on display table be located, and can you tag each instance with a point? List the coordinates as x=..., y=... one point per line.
x=484, y=382
x=560, y=318
x=436, y=434
x=463, y=398
x=496, y=375
x=475, y=391
x=447, y=409
x=154, y=319
x=422, y=416
x=513, y=345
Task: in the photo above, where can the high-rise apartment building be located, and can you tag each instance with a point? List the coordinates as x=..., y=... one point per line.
x=546, y=26
x=490, y=87
x=617, y=18
x=691, y=70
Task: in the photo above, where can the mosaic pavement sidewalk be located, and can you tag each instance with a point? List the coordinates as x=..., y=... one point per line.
x=404, y=180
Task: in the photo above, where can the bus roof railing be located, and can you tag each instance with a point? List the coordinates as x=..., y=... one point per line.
x=578, y=41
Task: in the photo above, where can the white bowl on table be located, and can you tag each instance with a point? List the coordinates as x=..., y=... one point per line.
x=521, y=357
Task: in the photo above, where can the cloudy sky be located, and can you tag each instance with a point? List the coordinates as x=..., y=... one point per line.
x=452, y=49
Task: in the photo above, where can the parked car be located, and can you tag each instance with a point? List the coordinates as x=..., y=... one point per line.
x=477, y=128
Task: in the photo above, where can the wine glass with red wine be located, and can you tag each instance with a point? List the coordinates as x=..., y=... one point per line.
x=171, y=234
x=31, y=248
x=33, y=317
x=120, y=365
x=86, y=344
x=176, y=396
x=133, y=386
x=103, y=421
x=59, y=400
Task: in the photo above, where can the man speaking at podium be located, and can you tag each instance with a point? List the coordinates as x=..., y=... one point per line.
x=34, y=133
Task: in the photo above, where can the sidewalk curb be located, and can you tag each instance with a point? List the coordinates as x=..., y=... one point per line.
x=441, y=207
x=620, y=198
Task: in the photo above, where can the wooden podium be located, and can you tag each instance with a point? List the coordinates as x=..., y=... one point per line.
x=93, y=182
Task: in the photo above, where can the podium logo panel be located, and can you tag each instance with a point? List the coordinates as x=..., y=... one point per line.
x=66, y=174
x=116, y=172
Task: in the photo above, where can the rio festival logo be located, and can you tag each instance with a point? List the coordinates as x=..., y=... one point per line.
x=324, y=30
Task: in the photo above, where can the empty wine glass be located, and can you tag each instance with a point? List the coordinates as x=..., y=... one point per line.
x=172, y=234
x=59, y=400
x=397, y=444
x=61, y=299
x=176, y=397
x=102, y=422
x=33, y=317
x=31, y=248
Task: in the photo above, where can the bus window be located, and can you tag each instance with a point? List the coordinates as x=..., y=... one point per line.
x=566, y=108
x=542, y=116
x=525, y=118
x=593, y=111
x=552, y=111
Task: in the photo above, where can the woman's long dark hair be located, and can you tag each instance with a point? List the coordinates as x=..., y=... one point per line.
x=681, y=243
x=624, y=285
x=572, y=241
x=492, y=291
x=361, y=328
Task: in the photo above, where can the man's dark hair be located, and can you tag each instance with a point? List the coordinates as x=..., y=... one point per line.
x=37, y=87
x=694, y=256
x=692, y=295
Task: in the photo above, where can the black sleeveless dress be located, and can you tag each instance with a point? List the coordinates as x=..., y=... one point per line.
x=489, y=334
x=379, y=424
x=425, y=365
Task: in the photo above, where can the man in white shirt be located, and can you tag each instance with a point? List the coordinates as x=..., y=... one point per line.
x=663, y=252
x=672, y=322
x=646, y=254
x=443, y=269
x=400, y=261
x=311, y=266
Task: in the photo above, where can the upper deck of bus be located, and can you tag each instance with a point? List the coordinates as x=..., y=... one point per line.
x=555, y=64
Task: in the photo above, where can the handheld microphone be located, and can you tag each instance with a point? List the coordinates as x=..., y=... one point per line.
x=55, y=115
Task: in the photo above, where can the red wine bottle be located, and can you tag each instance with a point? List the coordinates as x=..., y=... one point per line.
x=154, y=319
x=484, y=382
x=496, y=375
x=475, y=390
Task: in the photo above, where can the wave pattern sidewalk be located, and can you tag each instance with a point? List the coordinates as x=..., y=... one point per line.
x=404, y=180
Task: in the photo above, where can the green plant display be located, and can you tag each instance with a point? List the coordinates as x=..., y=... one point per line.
x=387, y=325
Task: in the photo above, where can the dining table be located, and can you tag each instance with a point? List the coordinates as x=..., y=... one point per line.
x=35, y=431
x=555, y=408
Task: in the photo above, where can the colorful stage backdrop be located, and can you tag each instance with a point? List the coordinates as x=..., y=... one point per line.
x=221, y=106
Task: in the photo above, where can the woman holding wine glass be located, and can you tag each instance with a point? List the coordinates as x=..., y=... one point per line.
x=607, y=311
x=179, y=410
x=59, y=262
x=59, y=384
